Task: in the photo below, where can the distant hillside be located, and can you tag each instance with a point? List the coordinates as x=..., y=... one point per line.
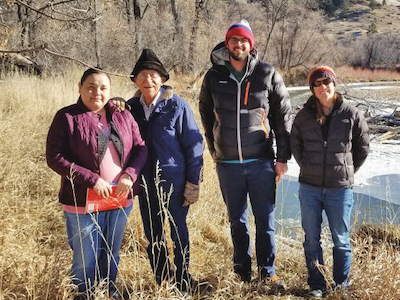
x=359, y=20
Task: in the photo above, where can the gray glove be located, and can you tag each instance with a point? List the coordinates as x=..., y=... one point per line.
x=191, y=193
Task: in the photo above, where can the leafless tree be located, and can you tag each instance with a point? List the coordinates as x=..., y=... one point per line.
x=298, y=38
x=97, y=17
x=200, y=6
x=275, y=10
x=177, y=20
x=112, y=33
x=139, y=11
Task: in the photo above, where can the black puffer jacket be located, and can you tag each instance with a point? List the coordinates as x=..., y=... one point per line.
x=239, y=117
x=331, y=161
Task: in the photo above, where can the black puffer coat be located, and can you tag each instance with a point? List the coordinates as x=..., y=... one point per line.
x=239, y=117
x=332, y=161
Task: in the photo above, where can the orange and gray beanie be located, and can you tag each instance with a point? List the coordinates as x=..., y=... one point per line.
x=319, y=72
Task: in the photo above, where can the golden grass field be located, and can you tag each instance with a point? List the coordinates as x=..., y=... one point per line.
x=34, y=252
x=349, y=74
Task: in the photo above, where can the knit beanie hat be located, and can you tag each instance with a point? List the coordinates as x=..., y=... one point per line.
x=319, y=72
x=148, y=60
x=240, y=28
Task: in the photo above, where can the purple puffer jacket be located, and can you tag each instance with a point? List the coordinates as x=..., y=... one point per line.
x=72, y=149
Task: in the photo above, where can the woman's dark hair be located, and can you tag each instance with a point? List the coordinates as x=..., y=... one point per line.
x=91, y=71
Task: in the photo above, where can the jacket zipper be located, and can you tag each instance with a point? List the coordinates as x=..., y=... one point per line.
x=325, y=137
x=239, y=139
x=324, y=163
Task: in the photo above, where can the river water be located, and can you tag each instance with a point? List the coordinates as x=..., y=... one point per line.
x=376, y=90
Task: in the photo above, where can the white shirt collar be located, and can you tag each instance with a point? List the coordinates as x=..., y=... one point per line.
x=149, y=109
x=156, y=99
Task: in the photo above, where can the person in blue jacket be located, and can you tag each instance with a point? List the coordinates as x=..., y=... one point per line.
x=173, y=170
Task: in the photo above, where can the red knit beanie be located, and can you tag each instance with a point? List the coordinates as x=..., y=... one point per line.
x=319, y=72
x=240, y=28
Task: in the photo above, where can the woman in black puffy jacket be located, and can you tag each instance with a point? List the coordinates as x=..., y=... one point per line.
x=330, y=142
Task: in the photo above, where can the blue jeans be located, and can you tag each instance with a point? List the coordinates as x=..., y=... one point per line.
x=338, y=204
x=95, y=240
x=255, y=180
x=155, y=213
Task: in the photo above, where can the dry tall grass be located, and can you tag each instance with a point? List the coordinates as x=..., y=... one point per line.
x=350, y=74
x=35, y=256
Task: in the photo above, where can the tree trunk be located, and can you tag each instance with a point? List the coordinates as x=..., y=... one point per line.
x=96, y=35
x=199, y=7
x=275, y=15
x=128, y=11
x=23, y=15
x=282, y=50
x=370, y=54
x=291, y=47
x=138, y=15
x=177, y=21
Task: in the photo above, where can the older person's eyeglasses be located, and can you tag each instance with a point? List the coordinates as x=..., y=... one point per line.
x=144, y=75
x=325, y=81
x=236, y=40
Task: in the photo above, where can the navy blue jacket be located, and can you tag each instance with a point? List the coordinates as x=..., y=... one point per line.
x=172, y=138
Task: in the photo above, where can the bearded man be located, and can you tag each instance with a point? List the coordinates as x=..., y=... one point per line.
x=244, y=105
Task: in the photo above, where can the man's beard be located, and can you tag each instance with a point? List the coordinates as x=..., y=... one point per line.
x=241, y=57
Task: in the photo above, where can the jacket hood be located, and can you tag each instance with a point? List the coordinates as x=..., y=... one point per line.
x=220, y=54
x=169, y=92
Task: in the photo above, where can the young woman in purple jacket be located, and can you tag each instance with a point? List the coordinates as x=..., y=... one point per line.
x=93, y=145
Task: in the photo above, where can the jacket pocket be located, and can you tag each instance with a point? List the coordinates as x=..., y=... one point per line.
x=216, y=124
x=264, y=126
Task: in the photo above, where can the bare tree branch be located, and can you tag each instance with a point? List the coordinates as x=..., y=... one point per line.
x=305, y=54
x=61, y=13
x=276, y=15
x=43, y=48
x=71, y=8
x=51, y=4
x=83, y=63
x=79, y=9
x=149, y=4
x=24, y=50
x=144, y=11
x=49, y=16
x=5, y=25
